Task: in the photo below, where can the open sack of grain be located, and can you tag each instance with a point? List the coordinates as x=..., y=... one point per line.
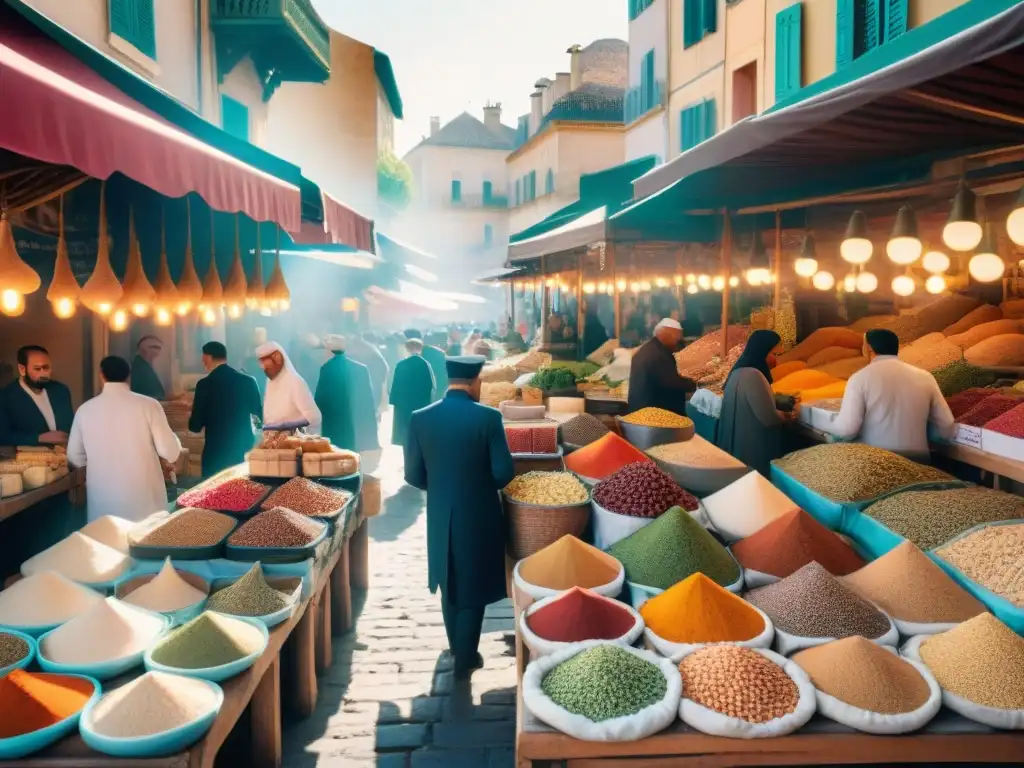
x=632, y=498
x=599, y=691
x=576, y=616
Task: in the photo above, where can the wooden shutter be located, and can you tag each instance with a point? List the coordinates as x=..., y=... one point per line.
x=549, y=182
x=788, y=58
x=234, y=117
x=710, y=119
x=691, y=22
x=456, y=190
x=869, y=26
x=708, y=16
x=845, y=32
x=135, y=22
x=488, y=191
x=533, y=185
x=895, y=19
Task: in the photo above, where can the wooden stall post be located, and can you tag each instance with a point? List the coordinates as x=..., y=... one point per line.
x=303, y=648
x=727, y=268
x=512, y=305
x=359, y=557
x=579, y=306
x=265, y=719
x=324, y=632
x=617, y=304
x=777, y=298
x=545, y=300
x=680, y=288
x=341, y=591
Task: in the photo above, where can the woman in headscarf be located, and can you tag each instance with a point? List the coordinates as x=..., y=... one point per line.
x=750, y=427
x=288, y=398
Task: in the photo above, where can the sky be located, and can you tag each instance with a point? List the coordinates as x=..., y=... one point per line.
x=452, y=56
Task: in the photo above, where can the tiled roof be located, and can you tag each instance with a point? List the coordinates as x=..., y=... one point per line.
x=590, y=103
x=471, y=133
x=606, y=62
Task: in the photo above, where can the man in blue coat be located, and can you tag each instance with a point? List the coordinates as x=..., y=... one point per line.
x=456, y=451
x=344, y=395
x=35, y=409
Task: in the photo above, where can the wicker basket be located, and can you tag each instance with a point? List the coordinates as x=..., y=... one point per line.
x=532, y=527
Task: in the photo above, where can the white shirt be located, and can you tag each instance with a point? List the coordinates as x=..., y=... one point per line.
x=889, y=404
x=119, y=437
x=288, y=399
x=42, y=401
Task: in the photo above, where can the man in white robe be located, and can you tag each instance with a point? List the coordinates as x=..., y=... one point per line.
x=120, y=437
x=288, y=397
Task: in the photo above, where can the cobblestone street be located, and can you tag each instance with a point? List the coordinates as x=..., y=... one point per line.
x=390, y=698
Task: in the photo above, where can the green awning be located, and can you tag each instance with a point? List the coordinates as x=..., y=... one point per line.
x=388, y=82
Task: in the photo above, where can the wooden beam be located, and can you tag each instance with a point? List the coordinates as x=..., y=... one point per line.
x=727, y=269
x=913, y=94
x=580, y=320
x=615, y=296
x=777, y=297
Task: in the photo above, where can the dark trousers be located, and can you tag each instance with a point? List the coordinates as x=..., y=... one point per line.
x=463, y=627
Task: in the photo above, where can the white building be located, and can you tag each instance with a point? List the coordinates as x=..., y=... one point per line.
x=646, y=115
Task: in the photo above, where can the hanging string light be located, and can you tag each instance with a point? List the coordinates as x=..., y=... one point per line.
x=734, y=281
x=985, y=265
x=823, y=281
x=64, y=289
x=277, y=292
x=692, y=288
x=190, y=289
x=807, y=264
x=119, y=318
x=138, y=294
x=102, y=291
x=255, y=296
x=866, y=282
x=704, y=282
x=166, y=292
x=903, y=285
x=962, y=232
x=935, y=284
x=213, y=291
x=856, y=248
x=718, y=283
x=235, y=292
x=904, y=247
x=758, y=273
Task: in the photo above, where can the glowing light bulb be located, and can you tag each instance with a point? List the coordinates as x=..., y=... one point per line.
x=12, y=303
x=140, y=310
x=935, y=284
x=986, y=267
x=856, y=250
x=805, y=267
x=119, y=321
x=645, y=285
x=621, y=285
x=866, y=282
x=823, y=281
x=1015, y=224
x=104, y=308
x=903, y=285
x=692, y=288
x=64, y=308
x=704, y=281
x=285, y=305
x=209, y=317
x=234, y=311
x=962, y=235
x=850, y=283
x=183, y=308
x=634, y=287
x=589, y=288
x=163, y=317
x=691, y=279
x=734, y=281
x=935, y=262
x=718, y=283
x=678, y=280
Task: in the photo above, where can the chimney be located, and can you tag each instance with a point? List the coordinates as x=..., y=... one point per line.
x=544, y=86
x=492, y=116
x=576, y=67
x=435, y=125
x=561, y=86
x=535, y=112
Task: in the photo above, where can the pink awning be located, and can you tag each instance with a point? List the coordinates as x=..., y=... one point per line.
x=58, y=110
x=345, y=226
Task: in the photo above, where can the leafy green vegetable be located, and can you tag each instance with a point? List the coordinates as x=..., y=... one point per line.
x=550, y=378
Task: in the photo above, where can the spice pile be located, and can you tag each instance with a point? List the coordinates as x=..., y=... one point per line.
x=813, y=603
x=250, y=596
x=855, y=472
x=1010, y=423
x=907, y=585
x=864, y=675
x=931, y=518
x=695, y=452
x=746, y=505
x=532, y=436
x=700, y=352
x=44, y=599
x=738, y=682
x=190, y=527
x=569, y=563
x=959, y=375
x=109, y=530
x=657, y=417
x=672, y=548
x=153, y=703
x=604, y=457
x=988, y=409
x=209, y=640
x=30, y=701
x=109, y=631
x=80, y=559
x=278, y=527
x=547, y=488
x=167, y=592
x=239, y=494
x=992, y=557
x=582, y=429
x=790, y=542
x=962, y=402
x=605, y=682
x=12, y=649
x=981, y=660
x=579, y=615
x=308, y=498
x=642, y=490
x=697, y=610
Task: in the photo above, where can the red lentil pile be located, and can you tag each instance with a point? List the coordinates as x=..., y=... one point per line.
x=1010, y=423
x=236, y=495
x=988, y=409
x=642, y=490
x=580, y=615
x=962, y=402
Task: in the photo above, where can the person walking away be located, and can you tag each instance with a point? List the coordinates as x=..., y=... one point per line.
x=654, y=380
x=225, y=403
x=344, y=396
x=435, y=357
x=145, y=380
x=594, y=334
x=456, y=451
x=362, y=349
x=891, y=404
x=35, y=409
x=288, y=399
x=120, y=438
x=750, y=427
x=411, y=389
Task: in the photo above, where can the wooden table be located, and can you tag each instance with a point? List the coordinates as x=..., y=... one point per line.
x=73, y=482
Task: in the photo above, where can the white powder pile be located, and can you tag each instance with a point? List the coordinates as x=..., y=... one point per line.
x=80, y=559
x=167, y=592
x=45, y=599
x=110, y=530
x=746, y=506
x=109, y=631
x=154, y=703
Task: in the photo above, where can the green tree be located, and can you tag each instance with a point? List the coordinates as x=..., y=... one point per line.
x=394, y=180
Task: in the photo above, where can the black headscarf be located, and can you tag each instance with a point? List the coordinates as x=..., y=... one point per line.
x=755, y=354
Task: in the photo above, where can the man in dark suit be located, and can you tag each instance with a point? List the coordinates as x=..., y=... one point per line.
x=412, y=388
x=35, y=409
x=225, y=402
x=456, y=451
x=654, y=380
x=344, y=395
x=435, y=356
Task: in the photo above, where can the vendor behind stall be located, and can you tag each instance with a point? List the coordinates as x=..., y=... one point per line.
x=35, y=409
x=654, y=381
x=145, y=380
x=288, y=398
x=890, y=404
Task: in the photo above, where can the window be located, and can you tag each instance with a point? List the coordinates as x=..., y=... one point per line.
x=697, y=123
x=549, y=182
x=636, y=7
x=488, y=192
x=456, y=191
x=519, y=191
x=134, y=22
x=647, y=89
x=234, y=117
x=700, y=19
x=863, y=25
x=788, y=59
x=744, y=92
x=488, y=234
x=533, y=185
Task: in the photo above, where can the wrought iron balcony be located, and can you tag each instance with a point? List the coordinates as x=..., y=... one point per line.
x=640, y=100
x=286, y=40
x=480, y=201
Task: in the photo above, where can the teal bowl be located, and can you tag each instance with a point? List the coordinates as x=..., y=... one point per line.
x=104, y=670
x=21, y=663
x=28, y=743
x=180, y=616
x=213, y=674
x=155, y=745
x=33, y=632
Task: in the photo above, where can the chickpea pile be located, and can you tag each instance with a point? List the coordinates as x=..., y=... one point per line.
x=657, y=417
x=547, y=488
x=738, y=682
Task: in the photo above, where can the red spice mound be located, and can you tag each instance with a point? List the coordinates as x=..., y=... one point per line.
x=988, y=409
x=580, y=615
x=604, y=457
x=1010, y=423
x=30, y=701
x=962, y=402
x=790, y=542
x=642, y=490
x=235, y=495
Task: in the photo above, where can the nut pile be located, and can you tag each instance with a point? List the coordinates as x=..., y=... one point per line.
x=994, y=558
x=308, y=498
x=738, y=682
x=605, y=682
x=855, y=472
x=278, y=527
x=582, y=429
x=187, y=528
x=547, y=488
x=12, y=649
x=958, y=376
x=695, y=452
x=657, y=417
x=988, y=409
x=251, y=595
x=931, y=518
x=1010, y=423
x=239, y=494
x=642, y=490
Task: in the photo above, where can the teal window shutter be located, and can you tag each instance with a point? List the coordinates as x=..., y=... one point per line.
x=708, y=16
x=134, y=21
x=456, y=191
x=691, y=22
x=710, y=119
x=895, y=19
x=234, y=117
x=788, y=58
x=845, y=32
x=689, y=128
x=648, y=77
x=549, y=182
x=519, y=191
x=488, y=191
x=488, y=234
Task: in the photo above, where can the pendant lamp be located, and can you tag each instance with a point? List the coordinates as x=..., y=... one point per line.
x=903, y=285
x=823, y=281
x=278, y=295
x=64, y=289
x=807, y=264
x=235, y=292
x=758, y=272
x=904, y=247
x=190, y=289
x=213, y=290
x=850, y=283
x=935, y=262
x=866, y=282
x=16, y=277
x=856, y=248
x=256, y=295
x=166, y=292
x=985, y=265
x=120, y=318
x=935, y=284
x=962, y=232
x=102, y=291
x=1015, y=221
x=138, y=294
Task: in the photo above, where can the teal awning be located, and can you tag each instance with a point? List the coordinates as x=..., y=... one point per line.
x=388, y=82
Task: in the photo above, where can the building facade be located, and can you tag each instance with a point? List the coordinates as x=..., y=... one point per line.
x=646, y=116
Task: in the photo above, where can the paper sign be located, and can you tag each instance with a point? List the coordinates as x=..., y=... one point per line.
x=969, y=436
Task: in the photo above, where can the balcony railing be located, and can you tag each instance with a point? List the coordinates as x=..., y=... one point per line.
x=640, y=100
x=480, y=201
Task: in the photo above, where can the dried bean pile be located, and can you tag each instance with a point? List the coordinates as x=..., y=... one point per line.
x=1010, y=423
x=657, y=417
x=812, y=603
x=249, y=596
x=187, y=528
x=855, y=472
x=547, y=488
x=962, y=402
x=238, y=494
x=992, y=557
x=988, y=409
x=931, y=518
x=308, y=498
x=642, y=490
x=605, y=682
x=582, y=429
x=12, y=649
x=278, y=527
x=958, y=376
x=738, y=682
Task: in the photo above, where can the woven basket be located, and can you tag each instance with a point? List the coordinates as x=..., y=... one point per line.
x=532, y=527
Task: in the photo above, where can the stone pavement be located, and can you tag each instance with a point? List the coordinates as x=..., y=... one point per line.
x=390, y=698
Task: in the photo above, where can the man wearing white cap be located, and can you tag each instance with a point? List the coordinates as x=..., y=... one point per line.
x=654, y=380
x=288, y=398
x=344, y=396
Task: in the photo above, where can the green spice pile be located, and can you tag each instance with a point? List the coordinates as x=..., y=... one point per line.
x=855, y=472
x=12, y=649
x=278, y=527
x=209, y=640
x=931, y=518
x=992, y=557
x=672, y=548
x=582, y=429
x=187, y=528
x=249, y=596
x=738, y=682
x=959, y=375
x=605, y=682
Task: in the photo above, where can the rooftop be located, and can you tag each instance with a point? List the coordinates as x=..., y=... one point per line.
x=470, y=132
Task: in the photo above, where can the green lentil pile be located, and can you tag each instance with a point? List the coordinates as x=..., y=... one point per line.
x=12, y=649
x=931, y=518
x=855, y=472
x=959, y=375
x=209, y=640
x=605, y=682
x=582, y=429
x=249, y=596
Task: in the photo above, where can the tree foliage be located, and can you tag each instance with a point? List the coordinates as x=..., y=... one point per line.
x=394, y=180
